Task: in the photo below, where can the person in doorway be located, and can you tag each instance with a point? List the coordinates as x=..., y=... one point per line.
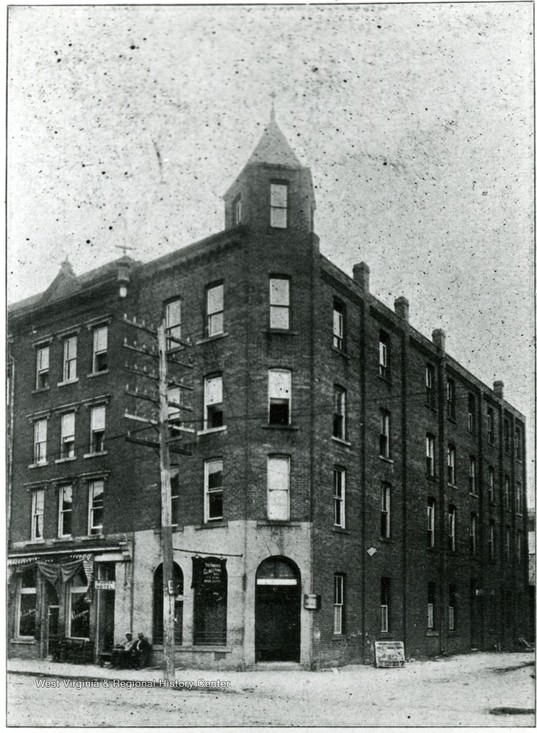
x=140, y=652
x=121, y=653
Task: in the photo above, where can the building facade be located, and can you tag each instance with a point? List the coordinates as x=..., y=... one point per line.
x=344, y=479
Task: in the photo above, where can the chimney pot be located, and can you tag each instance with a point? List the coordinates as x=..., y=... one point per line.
x=360, y=274
x=439, y=339
x=498, y=388
x=401, y=307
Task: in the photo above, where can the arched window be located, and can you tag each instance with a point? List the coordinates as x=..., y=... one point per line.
x=158, y=608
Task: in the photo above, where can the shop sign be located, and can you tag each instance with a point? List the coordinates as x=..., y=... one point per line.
x=389, y=654
x=312, y=602
x=105, y=585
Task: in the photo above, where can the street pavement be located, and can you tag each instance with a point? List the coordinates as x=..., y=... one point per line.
x=451, y=691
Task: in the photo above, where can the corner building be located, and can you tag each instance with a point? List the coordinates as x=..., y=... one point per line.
x=344, y=481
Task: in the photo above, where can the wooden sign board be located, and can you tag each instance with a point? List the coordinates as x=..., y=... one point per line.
x=389, y=654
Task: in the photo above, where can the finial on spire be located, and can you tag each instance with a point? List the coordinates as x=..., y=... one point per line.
x=272, y=95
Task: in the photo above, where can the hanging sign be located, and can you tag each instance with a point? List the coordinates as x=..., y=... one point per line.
x=209, y=572
x=389, y=654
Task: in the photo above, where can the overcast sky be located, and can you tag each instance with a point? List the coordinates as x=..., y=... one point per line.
x=127, y=124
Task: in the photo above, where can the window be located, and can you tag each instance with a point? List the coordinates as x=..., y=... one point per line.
x=67, y=435
x=280, y=302
x=384, y=355
x=429, y=386
x=472, y=475
x=100, y=349
x=26, y=604
x=65, y=511
x=237, y=211
x=38, y=510
x=492, y=540
x=384, y=605
x=507, y=544
x=174, y=412
x=174, y=482
x=213, y=411
x=215, y=309
x=338, y=338
x=518, y=444
x=450, y=398
x=42, y=368
x=490, y=425
x=98, y=424
x=40, y=441
x=278, y=474
x=172, y=320
x=78, y=608
x=507, y=435
x=385, y=511
x=473, y=533
x=518, y=498
x=339, y=497
x=519, y=546
x=452, y=607
x=279, y=388
x=431, y=605
x=96, y=506
x=69, y=358
x=340, y=413
x=491, y=484
x=451, y=527
x=430, y=450
x=339, y=603
x=278, y=205
x=214, y=490
x=158, y=600
x=209, y=583
x=431, y=521
x=507, y=491
x=471, y=412
x=451, y=465
x=385, y=429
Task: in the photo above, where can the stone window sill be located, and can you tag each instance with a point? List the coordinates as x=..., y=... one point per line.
x=216, y=337
x=279, y=427
x=280, y=331
x=210, y=431
x=340, y=352
x=340, y=530
x=67, y=381
x=99, y=374
x=341, y=441
x=65, y=460
x=38, y=465
x=96, y=455
x=386, y=459
x=40, y=389
x=22, y=641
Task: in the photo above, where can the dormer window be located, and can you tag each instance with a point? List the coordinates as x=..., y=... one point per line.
x=237, y=211
x=278, y=205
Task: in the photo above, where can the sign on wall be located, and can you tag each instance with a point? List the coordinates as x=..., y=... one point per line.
x=105, y=585
x=389, y=654
x=312, y=602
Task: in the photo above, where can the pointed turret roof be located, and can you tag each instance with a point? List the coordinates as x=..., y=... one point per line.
x=273, y=147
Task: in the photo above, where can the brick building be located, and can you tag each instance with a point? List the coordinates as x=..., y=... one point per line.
x=348, y=480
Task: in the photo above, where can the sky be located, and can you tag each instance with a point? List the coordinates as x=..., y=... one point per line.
x=126, y=125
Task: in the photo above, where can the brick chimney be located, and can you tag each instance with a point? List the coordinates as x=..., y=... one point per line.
x=360, y=274
x=401, y=307
x=498, y=388
x=439, y=339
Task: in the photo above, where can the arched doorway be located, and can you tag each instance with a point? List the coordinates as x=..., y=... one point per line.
x=277, y=611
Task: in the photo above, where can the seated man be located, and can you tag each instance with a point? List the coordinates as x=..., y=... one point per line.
x=121, y=653
x=140, y=652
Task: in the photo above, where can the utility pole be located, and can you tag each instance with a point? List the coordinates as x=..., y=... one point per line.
x=162, y=354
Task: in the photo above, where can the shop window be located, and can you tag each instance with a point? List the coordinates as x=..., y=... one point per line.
x=40, y=441
x=97, y=428
x=96, y=506
x=172, y=319
x=339, y=603
x=215, y=309
x=280, y=302
x=65, y=511
x=213, y=409
x=78, y=608
x=278, y=205
x=339, y=497
x=69, y=358
x=38, y=510
x=158, y=604
x=339, y=429
x=214, y=490
x=385, y=511
x=278, y=485
x=385, y=592
x=42, y=380
x=279, y=388
x=67, y=435
x=209, y=580
x=338, y=337
x=26, y=604
x=431, y=605
x=100, y=349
